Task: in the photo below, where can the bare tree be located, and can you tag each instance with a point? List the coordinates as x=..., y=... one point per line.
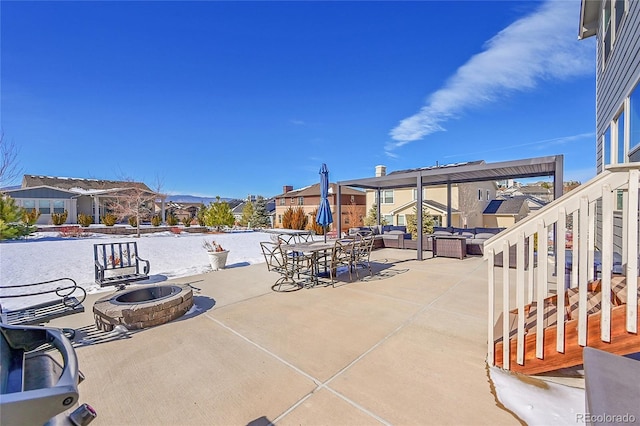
x=135, y=200
x=9, y=169
x=469, y=205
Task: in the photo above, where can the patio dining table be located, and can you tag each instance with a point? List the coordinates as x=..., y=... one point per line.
x=315, y=248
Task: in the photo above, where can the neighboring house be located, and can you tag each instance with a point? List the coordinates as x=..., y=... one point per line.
x=438, y=212
x=616, y=25
x=183, y=210
x=504, y=213
x=468, y=201
x=352, y=200
x=48, y=194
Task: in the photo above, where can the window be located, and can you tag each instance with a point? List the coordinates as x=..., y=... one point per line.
x=488, y=195
x=29, y=204
x=480, y=194
x=58, y=206
x=301, y=201
x=415, y=193
x=280, y=217
x=634, y=122
x=606, y=147
x=401, y=220
x=44, y=206
x=292, y=200
x=387, y=196
x=606, y=30
x=620, y=138
x=619, y=13
x=388, y=219
x=283, y=202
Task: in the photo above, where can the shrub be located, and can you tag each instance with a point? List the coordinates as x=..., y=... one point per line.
x=186, y=221
x=72, y=232
x=59, y=218
x=85, y=219
x=295, y=218
x=156, y=220
x=133, y=221
x=175, y=230
x=109, y=219
x=315, y=226
x=30, y=217
x=172, y=220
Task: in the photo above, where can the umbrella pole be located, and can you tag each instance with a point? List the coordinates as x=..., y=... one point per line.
x=324, y=231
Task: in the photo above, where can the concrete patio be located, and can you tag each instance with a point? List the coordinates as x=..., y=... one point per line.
x=407, y=346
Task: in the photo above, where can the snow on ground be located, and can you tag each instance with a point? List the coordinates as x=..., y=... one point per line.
x=45, y=255
x=538, y=402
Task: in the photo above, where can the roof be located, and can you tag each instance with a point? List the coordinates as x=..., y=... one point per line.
x=426, y=203
x=475, y=171
x=589, y=14
x=508, y=207
x=79, y=185
x=314, y=190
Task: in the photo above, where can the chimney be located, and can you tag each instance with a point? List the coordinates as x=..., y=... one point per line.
x=287, y=188
x=381, y=171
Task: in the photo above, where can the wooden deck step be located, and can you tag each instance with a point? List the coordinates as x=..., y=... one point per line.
x=622, y=342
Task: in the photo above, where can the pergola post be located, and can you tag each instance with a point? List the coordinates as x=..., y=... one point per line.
x=449, y=204
x=339, y=210
x=419, y=217
x=378, y=213
x=96, y=209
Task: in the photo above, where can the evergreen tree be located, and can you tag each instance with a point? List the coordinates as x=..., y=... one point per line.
x=219, y=214
x=11, y=223
x=427, y=222
x=260, y=218
x=247, y=213
x=372, y=217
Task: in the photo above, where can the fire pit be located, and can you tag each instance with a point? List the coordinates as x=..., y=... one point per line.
x=142, y=307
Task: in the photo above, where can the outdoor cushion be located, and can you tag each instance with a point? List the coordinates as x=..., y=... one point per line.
x=594, y=302
x=442, y=233
x=484, y=236
x=467, y=234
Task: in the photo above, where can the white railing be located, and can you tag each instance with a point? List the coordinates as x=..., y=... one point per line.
x=533, y=269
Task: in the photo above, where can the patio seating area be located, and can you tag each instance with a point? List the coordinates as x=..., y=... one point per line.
x=403, y=345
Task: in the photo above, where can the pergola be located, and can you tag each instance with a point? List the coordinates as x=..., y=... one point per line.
x=477, y=171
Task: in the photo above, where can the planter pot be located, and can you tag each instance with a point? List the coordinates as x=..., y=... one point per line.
x=218, y=259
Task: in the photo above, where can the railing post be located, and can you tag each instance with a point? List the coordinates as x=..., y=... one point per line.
x=607, y=262
x=561, y=235
x=632, y=254
x=583, y=271
x=520, y=297
x=506, y=342
x=491, y=311
x=542, y=288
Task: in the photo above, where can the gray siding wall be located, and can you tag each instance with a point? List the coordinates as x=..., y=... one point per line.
x=613, y=84
x=621, y=74
x=40, y=193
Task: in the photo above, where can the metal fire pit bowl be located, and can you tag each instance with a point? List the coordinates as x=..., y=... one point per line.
x=142, y=307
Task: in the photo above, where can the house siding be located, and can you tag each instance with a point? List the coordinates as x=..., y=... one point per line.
x=622, y=72
x=614, y=83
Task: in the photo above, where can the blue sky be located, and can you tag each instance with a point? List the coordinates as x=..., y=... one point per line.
x=237, y=98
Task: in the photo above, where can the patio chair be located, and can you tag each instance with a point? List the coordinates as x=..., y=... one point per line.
x=362, y=252
x=342, y=255
x=278, y=262
x=304, y=259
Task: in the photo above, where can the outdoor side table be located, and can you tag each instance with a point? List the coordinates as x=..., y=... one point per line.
x=449, y=246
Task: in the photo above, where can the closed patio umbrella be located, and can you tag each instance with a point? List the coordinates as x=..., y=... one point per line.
x=324, y=217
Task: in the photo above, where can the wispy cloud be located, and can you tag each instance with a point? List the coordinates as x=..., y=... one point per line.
x=540, y=145
x=297, y=122
x=540, y=46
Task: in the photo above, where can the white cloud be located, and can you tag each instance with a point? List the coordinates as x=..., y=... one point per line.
x=540, y=46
